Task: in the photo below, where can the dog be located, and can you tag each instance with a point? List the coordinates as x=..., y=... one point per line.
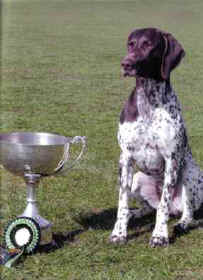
x=152, y=136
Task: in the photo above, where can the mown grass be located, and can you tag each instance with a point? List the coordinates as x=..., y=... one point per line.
x=61, y=73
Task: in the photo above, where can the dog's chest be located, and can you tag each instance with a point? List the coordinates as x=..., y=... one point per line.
x=138, y=140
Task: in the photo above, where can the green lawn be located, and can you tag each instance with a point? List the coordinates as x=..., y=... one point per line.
x=61, y=73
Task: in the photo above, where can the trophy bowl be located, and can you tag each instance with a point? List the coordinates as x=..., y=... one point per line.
x=43, y=153
x=34, y=155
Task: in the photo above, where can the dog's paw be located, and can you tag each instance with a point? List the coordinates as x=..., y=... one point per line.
x=158, y=241
x=181, y=228
x=115, y=239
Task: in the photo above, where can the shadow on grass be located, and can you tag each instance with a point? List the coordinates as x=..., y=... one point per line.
x=98, y=219
x=177, y=232
x=104, y=219
x=59, y=240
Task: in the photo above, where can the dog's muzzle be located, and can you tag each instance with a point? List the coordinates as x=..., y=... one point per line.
x=128, y=67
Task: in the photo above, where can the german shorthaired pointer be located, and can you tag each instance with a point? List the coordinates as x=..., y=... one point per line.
x=152, y=135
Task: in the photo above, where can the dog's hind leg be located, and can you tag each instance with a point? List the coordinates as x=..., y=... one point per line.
x=192, y=196
x=145, y=192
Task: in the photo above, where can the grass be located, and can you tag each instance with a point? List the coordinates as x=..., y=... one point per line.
x=61, y=73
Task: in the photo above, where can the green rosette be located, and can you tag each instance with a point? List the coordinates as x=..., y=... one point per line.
x=23, y=233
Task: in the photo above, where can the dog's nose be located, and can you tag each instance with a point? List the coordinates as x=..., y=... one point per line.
x=125, y=64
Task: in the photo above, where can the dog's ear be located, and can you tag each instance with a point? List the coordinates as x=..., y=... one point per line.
x=172, y=55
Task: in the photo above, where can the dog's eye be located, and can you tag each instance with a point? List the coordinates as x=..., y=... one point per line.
x=132, y=44
x=146, y=44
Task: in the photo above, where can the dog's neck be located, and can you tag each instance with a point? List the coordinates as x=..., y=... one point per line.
x=148, y=95
x=152, y=91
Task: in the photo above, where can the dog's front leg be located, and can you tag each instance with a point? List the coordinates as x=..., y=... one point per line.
x=160, y=233
x=119, y=234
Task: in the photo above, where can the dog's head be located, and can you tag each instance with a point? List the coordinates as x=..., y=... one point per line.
x=152, y=53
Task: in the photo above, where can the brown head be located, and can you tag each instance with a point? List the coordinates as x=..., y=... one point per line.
x=152, y=53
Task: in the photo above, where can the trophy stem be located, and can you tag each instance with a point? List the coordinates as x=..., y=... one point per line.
x=31, y=210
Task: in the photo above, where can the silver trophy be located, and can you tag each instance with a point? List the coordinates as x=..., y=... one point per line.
x=34, y=156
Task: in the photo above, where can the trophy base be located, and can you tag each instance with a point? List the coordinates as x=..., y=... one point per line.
x=46, y=236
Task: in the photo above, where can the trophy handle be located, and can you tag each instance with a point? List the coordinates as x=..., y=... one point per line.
x=63, y=165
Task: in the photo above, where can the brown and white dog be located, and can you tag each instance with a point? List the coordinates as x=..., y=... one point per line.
x=152, y=136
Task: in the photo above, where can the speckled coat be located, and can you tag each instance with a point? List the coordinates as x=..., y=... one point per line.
x=152, y=137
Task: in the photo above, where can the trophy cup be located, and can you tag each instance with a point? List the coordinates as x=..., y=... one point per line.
x=34, y=156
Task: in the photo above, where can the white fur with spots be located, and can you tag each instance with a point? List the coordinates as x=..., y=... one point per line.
x=169, y=179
